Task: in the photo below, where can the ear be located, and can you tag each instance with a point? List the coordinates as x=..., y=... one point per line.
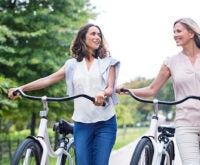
x=191, y=33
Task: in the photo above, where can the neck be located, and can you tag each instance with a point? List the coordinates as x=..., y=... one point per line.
x=89, y=58
x=191, y=50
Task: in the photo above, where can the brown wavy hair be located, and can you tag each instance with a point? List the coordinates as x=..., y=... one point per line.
x=79, y=49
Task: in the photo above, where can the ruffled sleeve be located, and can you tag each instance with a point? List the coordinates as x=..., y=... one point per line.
x=69, y=72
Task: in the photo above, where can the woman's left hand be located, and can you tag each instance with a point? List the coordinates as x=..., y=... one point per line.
x=99, y=98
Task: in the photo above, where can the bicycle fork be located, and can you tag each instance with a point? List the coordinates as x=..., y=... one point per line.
x=158, y=152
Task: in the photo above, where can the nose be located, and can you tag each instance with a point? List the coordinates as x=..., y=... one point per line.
x=98, y=36
x=175, y=35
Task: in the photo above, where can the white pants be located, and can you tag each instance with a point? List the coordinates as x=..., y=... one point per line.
x=188, y=142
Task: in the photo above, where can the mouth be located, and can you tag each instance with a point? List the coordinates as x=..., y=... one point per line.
x=97, y=43
x=177, y=40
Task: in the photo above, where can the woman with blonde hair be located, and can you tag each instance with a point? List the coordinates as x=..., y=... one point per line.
x=184, y=69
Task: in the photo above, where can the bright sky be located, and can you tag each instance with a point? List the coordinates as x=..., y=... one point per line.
x=140, y=32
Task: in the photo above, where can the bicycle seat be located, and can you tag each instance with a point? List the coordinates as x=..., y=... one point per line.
x=63, y=127
x=166, y=129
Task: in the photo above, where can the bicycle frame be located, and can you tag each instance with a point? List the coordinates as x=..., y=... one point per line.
x=43, y=139
x=161, y=143
x=152, y=135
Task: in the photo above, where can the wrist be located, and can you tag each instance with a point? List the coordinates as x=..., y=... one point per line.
x=103, y=92
x=108, y=92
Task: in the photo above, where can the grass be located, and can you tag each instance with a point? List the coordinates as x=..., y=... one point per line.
x=126, y=136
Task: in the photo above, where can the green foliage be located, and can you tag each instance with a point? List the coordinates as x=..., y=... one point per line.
x=123, y=115
x=34, y=42
x=167, y=93
x=21, y=135
x=141, y=112
x=7, y=107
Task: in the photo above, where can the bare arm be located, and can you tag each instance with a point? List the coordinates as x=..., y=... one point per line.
x=111, y=81
x=108, y=91
x=155, y=86
x=40, y=83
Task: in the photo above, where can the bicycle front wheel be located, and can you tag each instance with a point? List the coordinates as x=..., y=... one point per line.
x=170, y=152
x=28, y=152
x=71, y=151
x=143, y=153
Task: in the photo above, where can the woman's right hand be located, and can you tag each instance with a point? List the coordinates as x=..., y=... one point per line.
x=118, y=89
x=11, y=93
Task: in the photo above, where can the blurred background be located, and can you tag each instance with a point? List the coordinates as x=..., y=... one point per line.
x=35, y=36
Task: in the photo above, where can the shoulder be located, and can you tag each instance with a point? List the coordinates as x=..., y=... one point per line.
x=70, y=63
x=173, y=59
x=176, y=56
x=109, y=60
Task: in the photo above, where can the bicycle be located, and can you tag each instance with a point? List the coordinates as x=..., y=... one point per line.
x=157, y=147
x=36, y=149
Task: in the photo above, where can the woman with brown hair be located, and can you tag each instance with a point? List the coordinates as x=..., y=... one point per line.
x=94, y=72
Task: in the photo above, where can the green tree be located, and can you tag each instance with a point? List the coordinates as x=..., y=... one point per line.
x=123, y=115
x=34, y=42
x=6, y=105
x=167, y=93
x=141, y=112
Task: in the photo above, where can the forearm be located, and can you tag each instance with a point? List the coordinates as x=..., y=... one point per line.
x=144, y=92
x=140, y=92
x=35, y=85
x=154, y=87
x=45, y=82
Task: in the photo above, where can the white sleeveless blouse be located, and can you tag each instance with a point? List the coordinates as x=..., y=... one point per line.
x=89, y=82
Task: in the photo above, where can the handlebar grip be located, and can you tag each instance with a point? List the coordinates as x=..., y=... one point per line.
x=104, y=104
x=123, y=90
x=15, y=93
x=93, y=100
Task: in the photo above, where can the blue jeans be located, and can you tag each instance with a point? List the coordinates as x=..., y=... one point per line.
x=94, y=141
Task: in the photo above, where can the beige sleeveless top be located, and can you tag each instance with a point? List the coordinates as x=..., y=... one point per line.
x=186, y=81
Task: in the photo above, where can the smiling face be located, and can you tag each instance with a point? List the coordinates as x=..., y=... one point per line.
x=182, y=35
x=93, y=38
x=89, y=42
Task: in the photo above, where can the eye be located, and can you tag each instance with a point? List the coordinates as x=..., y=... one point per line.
x=177, y=31
x=99, y=34
x=93, y=33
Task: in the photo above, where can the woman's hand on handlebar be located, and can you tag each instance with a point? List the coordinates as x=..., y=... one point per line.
x=11, y=94
x=118, y=90
x=99, y=98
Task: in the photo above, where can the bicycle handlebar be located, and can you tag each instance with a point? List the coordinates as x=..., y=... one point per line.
x=159, y=101
x=54, y=98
